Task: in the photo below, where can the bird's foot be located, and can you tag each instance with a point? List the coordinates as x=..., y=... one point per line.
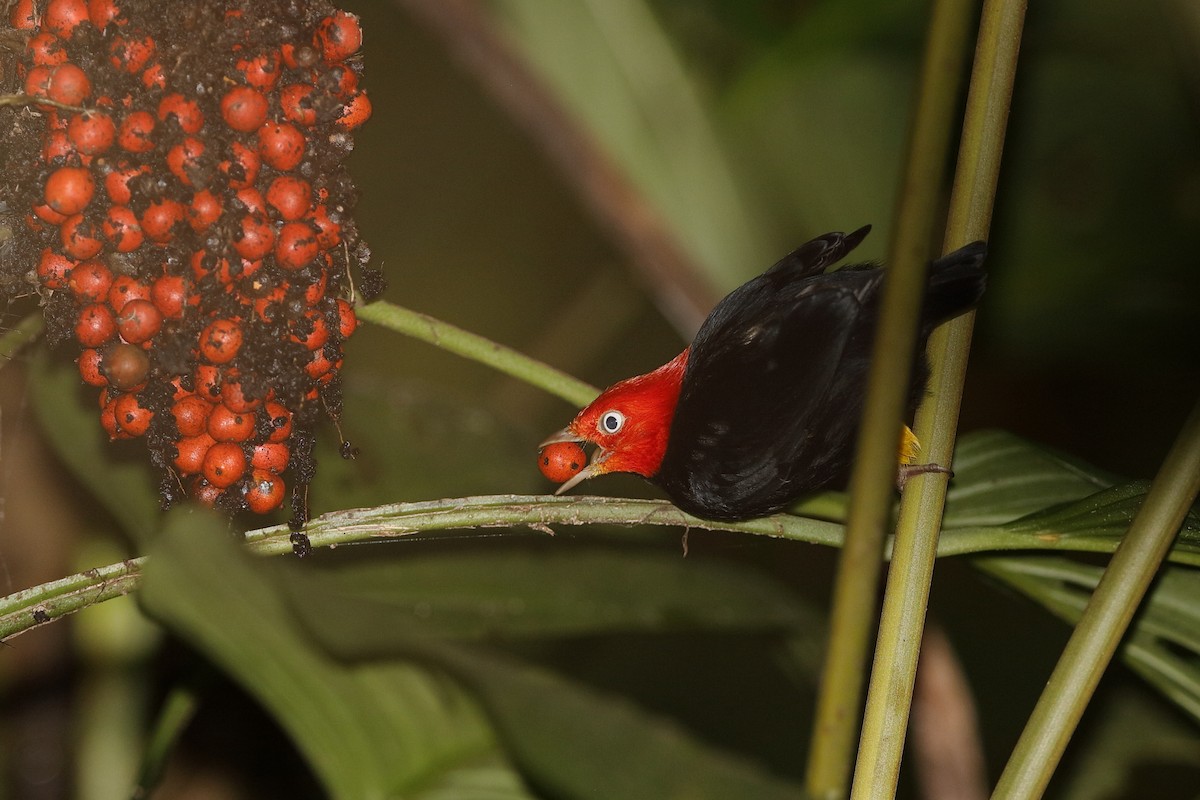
x=909, y=470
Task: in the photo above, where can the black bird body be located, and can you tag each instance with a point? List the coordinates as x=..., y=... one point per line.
x=771, y=397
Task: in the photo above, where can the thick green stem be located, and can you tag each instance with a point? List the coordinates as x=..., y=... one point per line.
x=871, y=487
x=889, y=696
x=16, y=338
x=477, y=348
x=1105, y=620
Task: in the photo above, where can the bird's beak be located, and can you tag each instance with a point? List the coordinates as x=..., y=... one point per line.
x=590, y=471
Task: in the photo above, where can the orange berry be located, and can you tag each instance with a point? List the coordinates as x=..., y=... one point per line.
x=132, y=417
x=191, y=451
x=68, y=84
x=356, y=112
x=208, y=382
x=347, y=319
x=291, y=197
x=70, y=189
x=224, y=464
x=124, y=289
x=205, y=209
x=160, y=218
x=265, y=492
x=561, y=461
x=131, y=55
x=271, y=456
x=80, y=237
x=136, y=133
x=244, y=109
x=183, y=159
x=102, y=12
x=295, y=100
x=21, y=15
x=186, y=112
x=261, y=71
x=92, y=132
x=139, y=321
x=116, y=183
x=296, y=245
x=281, y=420
x=338, y=36
x=221, y=340
x=122, y=229
x=169, y=294
x=46, y=50
x=257, y=237
x=236, y=400
x=63, y=16
x=89, y=367
x=225, y=425
x=281, y=145
x=90, y=281
x=241, y=169
x=191, y=414
x=54, y=269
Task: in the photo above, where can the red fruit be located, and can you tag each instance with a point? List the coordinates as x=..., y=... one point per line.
x=96, y=325
x=132, y=418
x=204, y=210
x=90, y=281
x=338, y=36
x=317, y=336
x=261, y=71
x=225, y=425
x=356, y=112
x=236, y=400
x=54, y=269
x=241, y=169
x=271, y=456
x=281, y=145
x=124, y=289
x=56, y=145
x=315, y=291
x=124, y=366
x=205, y=493
x=224, y=464
x=160, y=218
x=221, y=340
x=169, y=294
x=208, y=382
x=257, y=237
x=37, y=81
x=139, y=321
x=244, y=109
x=102, y=12
x=70, y=189
x=265, y=492
x=346, y=80
x=319, y=365
x=92, y=132
x=347, y=319
x=561, y=461
x=48, y=214
x=191, y=414
x=89, y=367
x=291, y=197
x=191, y=452
x=136, y=133
x=116, y=183
x=68, y=84
x=80, y=237
x=21, y=15
x=131, y=55
x=296, y=246
x=185, y=110
x=281, y=419
x=46, y=50
x=253, y=200
x=63, y=16
x=183, y=159
x=295, y=100
x=153, y=77
x=122, y=230
x=329, y=232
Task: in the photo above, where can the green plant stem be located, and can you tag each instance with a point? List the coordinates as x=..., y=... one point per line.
x=889, y=695
x=477, y=348
x=871, y=486
x=177, y=711
x=29, y=608
x=1105, y=620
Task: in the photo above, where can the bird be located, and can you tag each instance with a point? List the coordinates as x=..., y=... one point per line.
x=763, y=407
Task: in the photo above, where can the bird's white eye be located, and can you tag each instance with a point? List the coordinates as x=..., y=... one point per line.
x=611, y=421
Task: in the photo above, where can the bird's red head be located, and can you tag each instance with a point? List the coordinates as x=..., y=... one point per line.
x=629, y=423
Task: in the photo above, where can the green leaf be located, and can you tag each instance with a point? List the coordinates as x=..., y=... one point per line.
x=1163, y=645
x=71, y=424
x=524, y=594
x=369, y=731
x=999, y=477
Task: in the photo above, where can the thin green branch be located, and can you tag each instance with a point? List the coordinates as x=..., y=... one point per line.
x=852, y=622
x=889, y=696
x=477, y=348
x=1105, y=619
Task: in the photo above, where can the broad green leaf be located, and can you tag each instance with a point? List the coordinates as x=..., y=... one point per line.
x=1164, y=643
x=369, y=731
x=524, y=594
x=999, y=477
x=116, y=473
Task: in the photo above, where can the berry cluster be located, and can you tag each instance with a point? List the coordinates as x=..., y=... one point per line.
x=185, y=215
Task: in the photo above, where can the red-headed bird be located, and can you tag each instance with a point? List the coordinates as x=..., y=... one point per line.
x=764, y=405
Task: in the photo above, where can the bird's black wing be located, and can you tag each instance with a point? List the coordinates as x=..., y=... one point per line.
x=761, y=418
x=816, y=256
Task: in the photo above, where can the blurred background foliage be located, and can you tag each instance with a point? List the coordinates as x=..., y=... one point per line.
x=750, y=126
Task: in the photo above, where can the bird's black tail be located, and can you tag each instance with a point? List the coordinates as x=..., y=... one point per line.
x=956, y=282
